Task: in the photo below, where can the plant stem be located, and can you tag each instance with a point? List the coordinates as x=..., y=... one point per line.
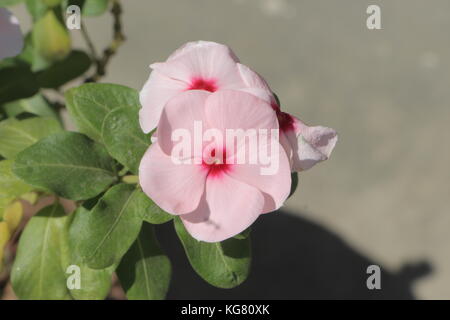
x=89, y=43
x=111, y=50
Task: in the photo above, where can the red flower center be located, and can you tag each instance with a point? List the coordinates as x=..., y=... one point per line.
x=215, y=163
x=285, y=120
x=198, y=83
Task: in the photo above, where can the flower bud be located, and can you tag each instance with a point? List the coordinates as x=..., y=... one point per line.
x=50, y=38
x=5, y=235
x=13, y=215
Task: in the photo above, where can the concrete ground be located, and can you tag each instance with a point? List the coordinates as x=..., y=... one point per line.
x=385, y=191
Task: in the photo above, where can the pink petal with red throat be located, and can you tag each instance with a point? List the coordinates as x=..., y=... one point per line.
x=208, y=61
x=227, y=208
x=182, y=112
x=176, y=188
x=197, y=65
x=11, y=38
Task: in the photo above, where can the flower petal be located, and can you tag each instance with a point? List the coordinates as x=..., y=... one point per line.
x=195, y=45
x=230, y=109
x=205, y=60
x=11, y=39
x=228, y=208
x=176, y=188
x=154, y=95
x=275, y=183
x=311, y=145
x=181, y=113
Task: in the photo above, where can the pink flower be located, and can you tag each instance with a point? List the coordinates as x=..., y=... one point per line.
x=11, y=40
x=212, y=67
x=216, y=196
x=200, y=65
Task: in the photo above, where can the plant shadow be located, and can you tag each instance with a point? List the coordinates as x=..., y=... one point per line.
x=294, y=258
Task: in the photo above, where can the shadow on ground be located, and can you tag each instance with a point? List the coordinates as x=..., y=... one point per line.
x=293, y=259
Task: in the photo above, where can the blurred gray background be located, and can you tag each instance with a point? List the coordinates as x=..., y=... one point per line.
x=384, y=194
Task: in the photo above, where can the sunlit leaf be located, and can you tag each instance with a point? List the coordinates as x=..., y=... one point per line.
x=36, y=105
x=89, y=104
x=17, y=135
x=124, y=138
x=67, y=163
x=37, y=272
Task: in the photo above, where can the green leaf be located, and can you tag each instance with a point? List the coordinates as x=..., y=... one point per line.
x=36, y=105
x=17, y=135
x=90, y=103
x=17, y=82
x=8, y=3
x=223, y=264
x=10, y=186
x=94, y=284
x=151, y=212
x=294, y=183
x=31, y=56
x=73, y=66
x=145, y=270
x=51, y=3
x=111, y=227
x=123, y=137
x=36, y=8
x=95, y=7
x=244, y=234
x=9, y=183
x=68, y=164
x=37, y=272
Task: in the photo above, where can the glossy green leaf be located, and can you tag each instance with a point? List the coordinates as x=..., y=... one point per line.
x=17, y=135
x=17, y=82
x=123, y=137
x=36, y=105
x=37, y=272
x=94, y=284
x=112, y=226
x=223, y=264
x=151, y=212
x=145, y=270
x=89, y=104
x=61, y=72
x=67, y=163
